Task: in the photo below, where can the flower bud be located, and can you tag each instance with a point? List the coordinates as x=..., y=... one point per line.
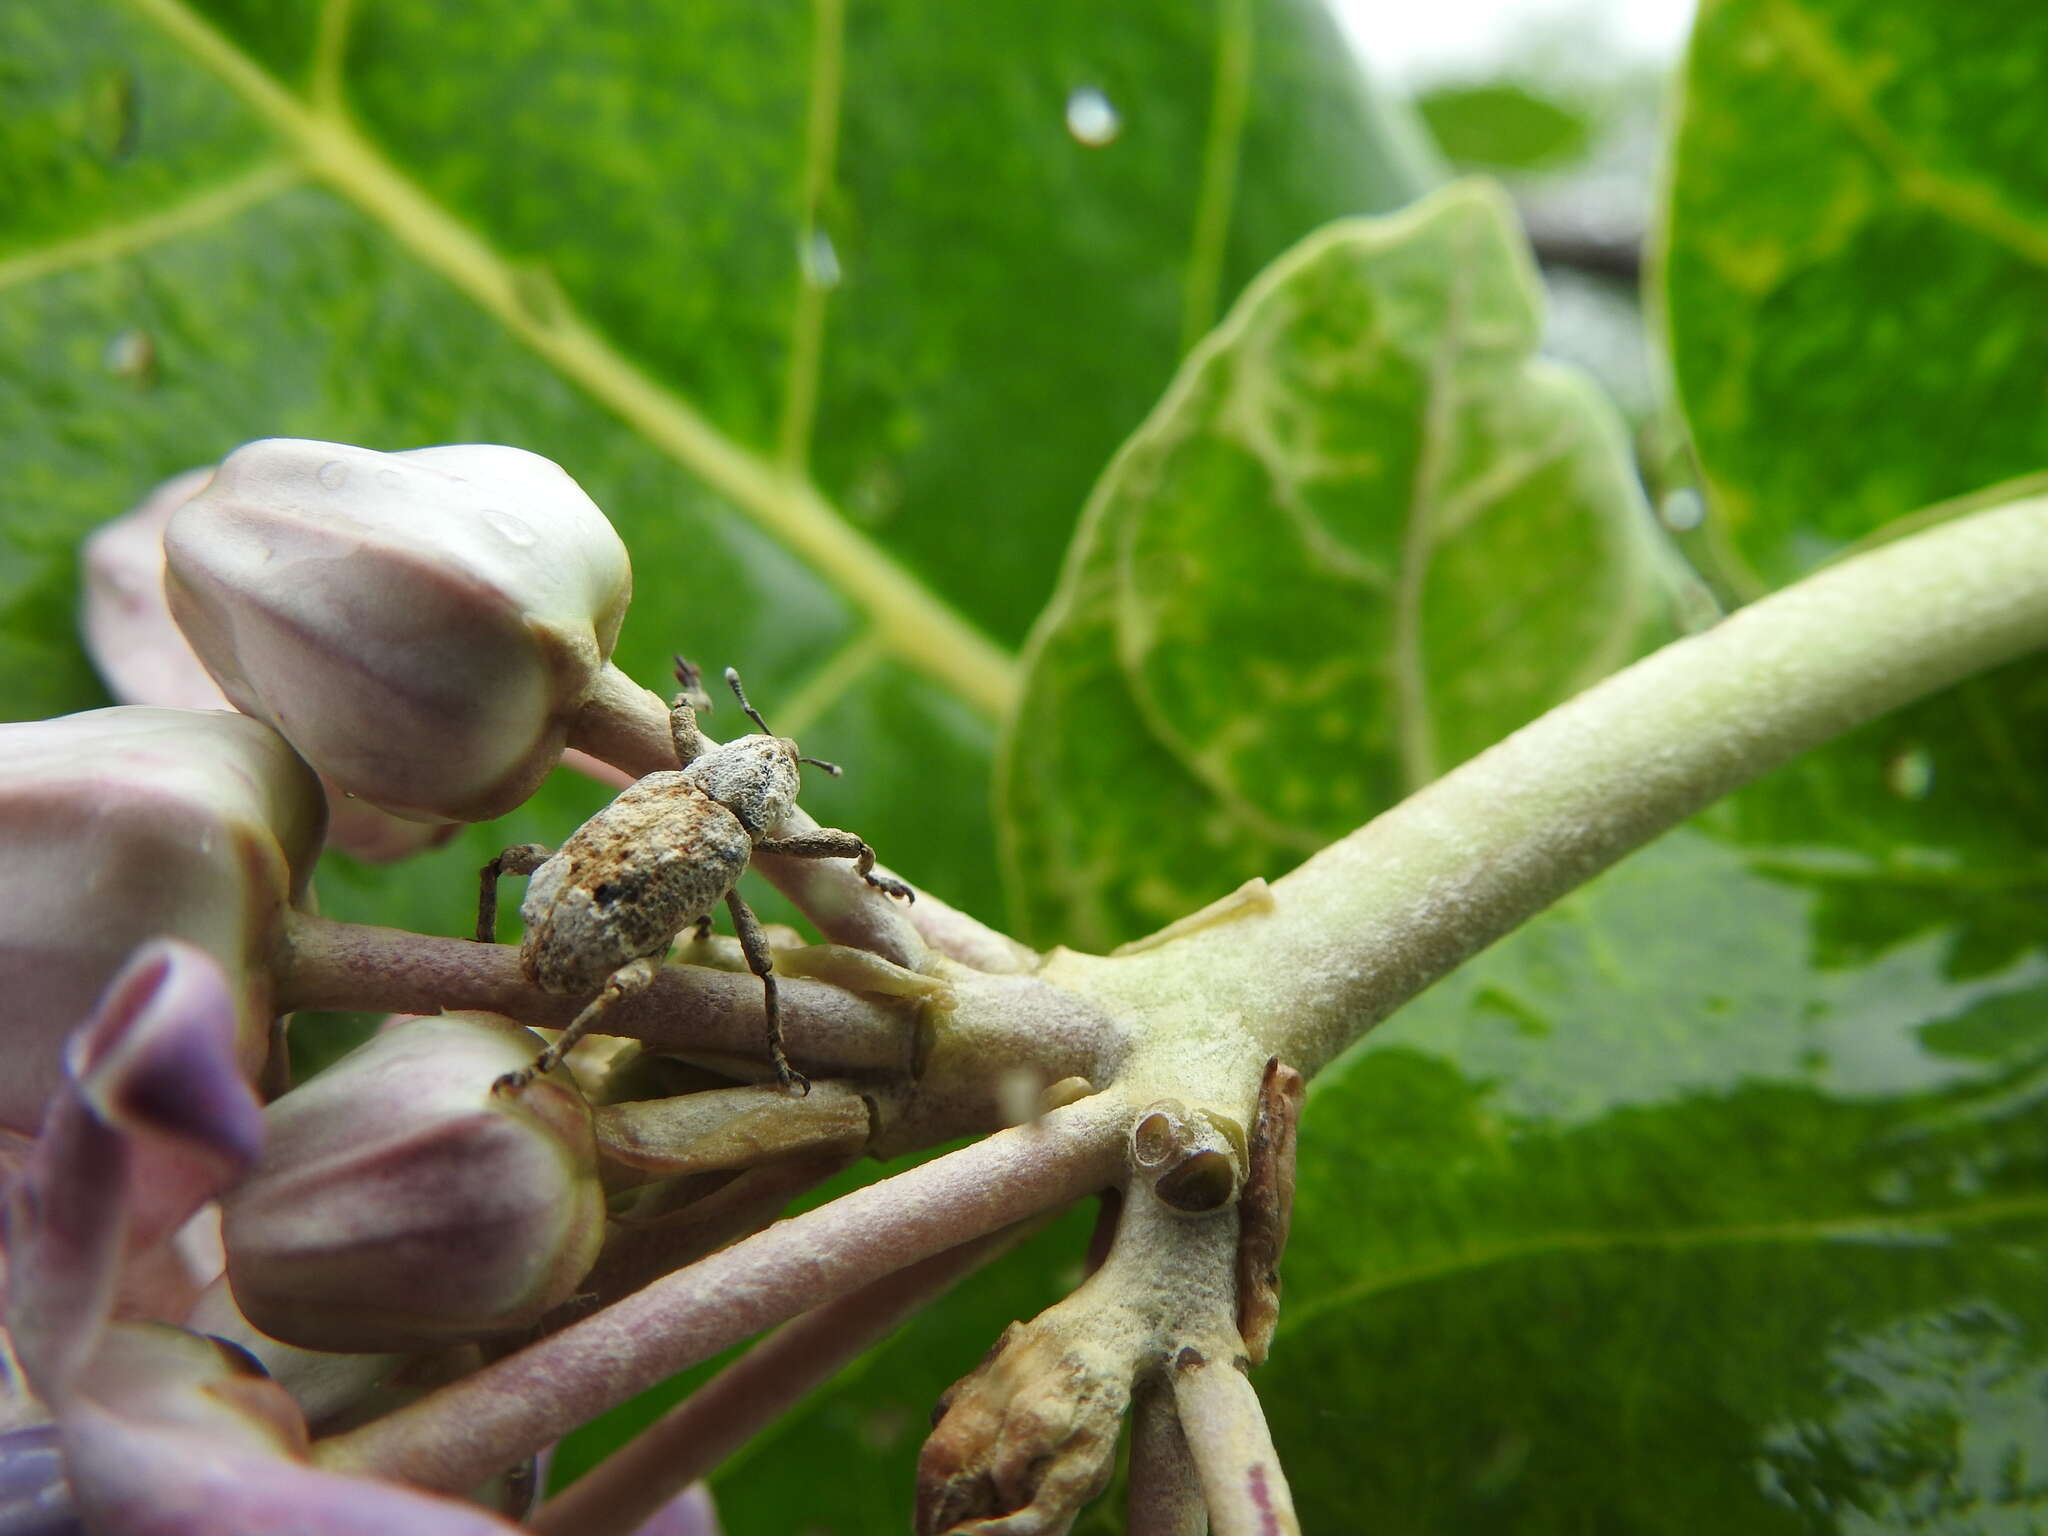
x=1029, y=1437
x=122, y=825
x=144, y=658
x=172, y=1431
x=401, y=1204
x=424, y=627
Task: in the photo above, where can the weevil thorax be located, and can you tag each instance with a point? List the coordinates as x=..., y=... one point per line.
x=755, y=777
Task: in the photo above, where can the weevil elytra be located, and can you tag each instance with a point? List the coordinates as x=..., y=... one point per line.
x=602, y=911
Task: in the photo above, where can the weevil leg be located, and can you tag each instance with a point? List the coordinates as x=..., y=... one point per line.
x=633, y=976
x=754, y=943
x=703, y=927
x=831, y=843
x=521, y=859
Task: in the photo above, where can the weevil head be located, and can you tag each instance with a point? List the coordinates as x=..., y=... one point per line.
x=755, y=778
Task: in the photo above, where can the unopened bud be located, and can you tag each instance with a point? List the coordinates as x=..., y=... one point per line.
x=1029, y=1437
x=424, y=627
x=401, y=1204
x=144, y=658
x=122, y=825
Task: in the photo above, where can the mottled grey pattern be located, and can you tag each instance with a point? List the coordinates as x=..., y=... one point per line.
x=755, y=776
x=646, y=866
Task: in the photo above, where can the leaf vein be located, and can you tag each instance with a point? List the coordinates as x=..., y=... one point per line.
x=912, y=621
x=1973, y=206
x=807, y=318
x=1852, y=1229
x=1221, y=153
x=215, y=205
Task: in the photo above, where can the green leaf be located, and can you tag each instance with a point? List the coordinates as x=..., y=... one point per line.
x=1366, y=534
x=812, y=299
x=1856, y=261
x=1665, y=1214
x=1504, y=126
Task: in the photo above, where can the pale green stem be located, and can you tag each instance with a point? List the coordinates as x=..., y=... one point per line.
x=1373, y=919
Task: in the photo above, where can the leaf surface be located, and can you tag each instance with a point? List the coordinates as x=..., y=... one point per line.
x=1366, y=533
x=1673, y=1210
x=812, y=300
x=1856, y=260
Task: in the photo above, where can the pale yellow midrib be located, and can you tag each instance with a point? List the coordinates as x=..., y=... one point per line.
x=917, y=627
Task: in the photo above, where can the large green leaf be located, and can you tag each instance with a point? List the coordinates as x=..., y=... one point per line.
x=1366, y=534
x=1856, y=263
x=1667, y=1214
x=687, y=254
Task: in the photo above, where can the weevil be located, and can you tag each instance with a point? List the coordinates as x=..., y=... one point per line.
x=601, y=912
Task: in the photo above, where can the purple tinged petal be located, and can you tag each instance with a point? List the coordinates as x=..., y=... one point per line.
x=152, y=1481
x=135, y=645
x=689, y=1513
x=401, y=1204
x=144, y=657
x=155, y=1121
x=158, y=1058
x=176, y=1434
x=64, y=1227
x=423, y=626
x=35, y=1499
x=122, y=825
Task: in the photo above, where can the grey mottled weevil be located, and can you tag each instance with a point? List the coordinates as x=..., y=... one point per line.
x=601, y=913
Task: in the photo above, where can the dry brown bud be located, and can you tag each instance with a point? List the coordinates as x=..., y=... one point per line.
x=1026, y=1439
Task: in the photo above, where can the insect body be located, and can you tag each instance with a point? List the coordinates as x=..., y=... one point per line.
x=601, y=913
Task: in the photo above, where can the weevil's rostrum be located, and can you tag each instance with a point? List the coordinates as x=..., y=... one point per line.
x=601, y=913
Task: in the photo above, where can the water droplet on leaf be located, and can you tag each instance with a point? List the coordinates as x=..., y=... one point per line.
x=132, y=355
x=1910, y=773
x=819, y=258
x=1683, y=510
x=1092, y=118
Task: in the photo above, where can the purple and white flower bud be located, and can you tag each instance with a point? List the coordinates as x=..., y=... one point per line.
x=121, y=825
x=144, y=658
x=401, y=1204
x=173, y=1433
x=425, y=627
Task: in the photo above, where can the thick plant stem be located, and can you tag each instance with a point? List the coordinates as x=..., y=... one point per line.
x=693, y=1437
x=328, y=964
x=1242, y=1483
x=1373, y=919
x=1165, y=1497
x=456, y=1437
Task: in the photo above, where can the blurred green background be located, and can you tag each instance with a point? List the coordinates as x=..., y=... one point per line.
x=1713, y=1199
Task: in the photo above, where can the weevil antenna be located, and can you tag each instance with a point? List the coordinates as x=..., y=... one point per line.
x=732, y=676
x=818, y=762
